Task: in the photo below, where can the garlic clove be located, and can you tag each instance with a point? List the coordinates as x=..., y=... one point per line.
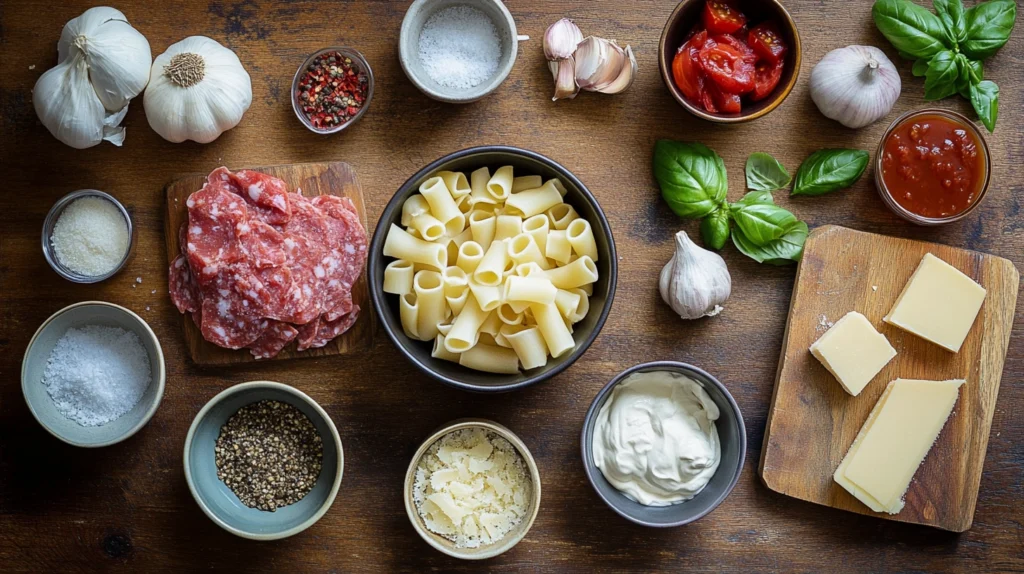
x=598, y=62
x=67, y=104
x=624, y=79
x=565, y=79
x=695, y=283
x=561, y=39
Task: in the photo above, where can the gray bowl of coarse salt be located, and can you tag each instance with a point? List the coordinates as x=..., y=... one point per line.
x=93, y=374
x=457, y=51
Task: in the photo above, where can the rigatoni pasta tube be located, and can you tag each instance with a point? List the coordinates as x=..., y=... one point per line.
x=507, y=226
x=466, y=329
x=530, y=289
x=457, y=298
x=576, y=274
x=455, y=225
x=490, y=359
x=558, y=248
x=470, y=254
x=487, y=296
x=439, y=352
x=507, y=315
x=442, y=204
x=400, y=245
x=529, y=346
x=491, y=325
x=525, y=182
x=534, y=201
x=568, y=302
x=523, y=249
x=500, y=185
x=562, y=215
x=454, y=278
x=398, y=277
x=492, y=266
x=581, y=237
x=415, y=205
x=456, y=183
x=538, y=227
x=478, y=184
x=428, y=226
x=582, y=308
x=429, y=290
x=552, y=326
x=559, y=186
x=408, y=314
x=481, y=225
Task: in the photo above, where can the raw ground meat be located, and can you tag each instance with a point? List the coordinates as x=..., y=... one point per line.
x=261, y=266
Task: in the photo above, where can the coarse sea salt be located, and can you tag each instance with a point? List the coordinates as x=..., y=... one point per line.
x=96, y=373
x=459, y=47
x=90, y=236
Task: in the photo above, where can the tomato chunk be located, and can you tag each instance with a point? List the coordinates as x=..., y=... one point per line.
x=727, y=67
x=767, y=42
x=766, y=77
x=722, y=18
x=725, y=102
x=748, y=52
x=686, y=70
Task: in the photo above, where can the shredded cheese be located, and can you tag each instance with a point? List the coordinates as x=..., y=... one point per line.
x=90, y=236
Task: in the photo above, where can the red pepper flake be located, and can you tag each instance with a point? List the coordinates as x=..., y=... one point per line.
x=331, y=91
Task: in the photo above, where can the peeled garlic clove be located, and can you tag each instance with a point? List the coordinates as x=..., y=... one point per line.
x=561, y=39
x=695, y=283
x=565, y=79
x=624, y=79
x=598, y=62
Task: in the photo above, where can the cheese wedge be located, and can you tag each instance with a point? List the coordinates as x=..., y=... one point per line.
x=853, y=351
x=938, y=304
x=895, y=440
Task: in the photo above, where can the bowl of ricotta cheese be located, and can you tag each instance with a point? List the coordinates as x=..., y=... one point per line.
x=663, y=443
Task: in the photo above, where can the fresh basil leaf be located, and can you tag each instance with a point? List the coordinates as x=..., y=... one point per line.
x=753, y=198
x=951, y=12
x=911, y=29
x=985, y=99
x=763, y=223
x=782, y=251
x=715, y=228
x=988, y=27
x=827, y=170
x=765, y=173
x=692, y=177
x=940, y=79
x=920, y=67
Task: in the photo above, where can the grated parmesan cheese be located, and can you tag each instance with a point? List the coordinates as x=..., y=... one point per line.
x=471, y=487
x=90, y=236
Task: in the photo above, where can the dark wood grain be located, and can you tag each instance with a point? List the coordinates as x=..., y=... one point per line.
x=812, y=421
x=127, y=507
x=335, y=178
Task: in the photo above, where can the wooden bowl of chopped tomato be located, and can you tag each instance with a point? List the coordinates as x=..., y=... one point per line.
x=730, y=61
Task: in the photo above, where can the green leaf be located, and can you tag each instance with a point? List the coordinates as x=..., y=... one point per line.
x=715, y=228
x=940, y=79
x=911, y=29
x=920, y=67
x=970, y=72
x=763, y=223
x=753, y=198
x=692, y=177
x=827, y=170
x=985, y=99
x=951, y=12
x=786, y=249
x=765, y=173
x=988, y=27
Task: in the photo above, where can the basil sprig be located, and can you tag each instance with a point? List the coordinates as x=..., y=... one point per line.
x=692, y=177
x=947, y=47
x=828, y=170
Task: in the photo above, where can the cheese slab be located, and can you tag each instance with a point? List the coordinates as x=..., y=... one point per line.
x=938, y=304
x=895, y=440
x=853, y=351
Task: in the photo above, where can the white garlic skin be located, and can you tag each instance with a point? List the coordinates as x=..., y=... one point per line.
x=561, y=39
x=855, y=85
x=695, y=283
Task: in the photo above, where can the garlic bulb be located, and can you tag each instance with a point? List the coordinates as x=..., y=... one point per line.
x=695, y=282
x=855, y=85
x=198, y=89
x=102, y=64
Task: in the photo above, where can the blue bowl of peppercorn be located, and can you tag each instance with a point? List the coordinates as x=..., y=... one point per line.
x=232, y=490
x=332, y=89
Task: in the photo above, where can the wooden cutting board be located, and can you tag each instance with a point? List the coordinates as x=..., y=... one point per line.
x=812, y=422
x=335, y=178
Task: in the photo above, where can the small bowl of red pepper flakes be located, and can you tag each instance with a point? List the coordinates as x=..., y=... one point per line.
x=332, y=90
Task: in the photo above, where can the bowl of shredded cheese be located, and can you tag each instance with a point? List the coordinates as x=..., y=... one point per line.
x=88, y=236
x=472, y=490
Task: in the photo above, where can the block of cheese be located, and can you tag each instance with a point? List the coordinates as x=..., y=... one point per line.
x=895, y=440
x=939, y=304
x=853, y=351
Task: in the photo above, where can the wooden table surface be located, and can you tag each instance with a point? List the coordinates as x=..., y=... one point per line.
x=128, y=507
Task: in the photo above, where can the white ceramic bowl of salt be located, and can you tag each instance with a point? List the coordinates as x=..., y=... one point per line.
x=471, y=46
x=40, y=349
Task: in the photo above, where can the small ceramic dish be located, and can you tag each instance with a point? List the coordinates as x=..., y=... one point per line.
x=515, y=535
x=220, y=503
x=34, y=365
x=732, y=435
x=886, y=194
x=688, y=14
x=409, y=48
x=362, y=67
x=51, y=221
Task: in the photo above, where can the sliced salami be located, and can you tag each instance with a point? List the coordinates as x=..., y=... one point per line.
x=267, y=194
x=184, y=291
x=329, y=330
x=275, y=338
x=229, y=320
x=308, y=333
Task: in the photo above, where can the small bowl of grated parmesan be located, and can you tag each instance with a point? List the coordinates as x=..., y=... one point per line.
x=472, y=490
x=88, y=236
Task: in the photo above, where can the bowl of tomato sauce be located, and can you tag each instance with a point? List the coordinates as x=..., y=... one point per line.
x=730, y=61
x=932, y=166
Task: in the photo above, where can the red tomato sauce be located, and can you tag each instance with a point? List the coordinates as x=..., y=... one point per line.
x=933, y=166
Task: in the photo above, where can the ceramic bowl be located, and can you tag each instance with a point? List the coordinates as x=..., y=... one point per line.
x=42, y=344
x=217, y=500
x=359, y=63
x=524, y=162
x=512, y=538
x=51, y=221
x=409, y=52
x=688, y=14
x=732, y=435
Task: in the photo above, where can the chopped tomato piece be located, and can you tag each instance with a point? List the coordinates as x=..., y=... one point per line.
x=767, y=42
x=727, y=67
x=748, y=52
x=766, y=77
x=722, y=18
x=725, y=102
x=706, y=99
x=686, y=69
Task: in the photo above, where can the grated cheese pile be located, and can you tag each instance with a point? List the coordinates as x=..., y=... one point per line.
x=472, y=487
x=90, y=236
x=459, y=47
